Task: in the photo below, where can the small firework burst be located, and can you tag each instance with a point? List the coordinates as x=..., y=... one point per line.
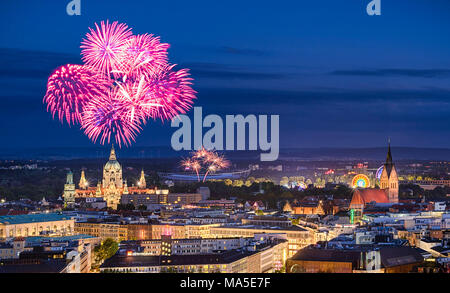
x=205, y=161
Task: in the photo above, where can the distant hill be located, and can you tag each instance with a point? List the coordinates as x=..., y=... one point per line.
x=376, y=153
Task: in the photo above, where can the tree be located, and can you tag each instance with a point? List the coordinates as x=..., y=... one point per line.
x=169, y=270
x=238, y=183
x=259, y=213
x=125, y=207
x=106, y=250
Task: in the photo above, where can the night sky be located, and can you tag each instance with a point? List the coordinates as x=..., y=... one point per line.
x=336, y=76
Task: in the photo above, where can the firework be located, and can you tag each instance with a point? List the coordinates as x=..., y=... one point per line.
x=103, y=46
x=106, y=117
x=192, y=164
x=206, y=161
x=138, y=104
x=143, y=55
x=69, y=88
x=126, y=80
x=172, y=91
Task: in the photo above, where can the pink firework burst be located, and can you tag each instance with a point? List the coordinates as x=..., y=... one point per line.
x=125, y=81
x=143, y=55
x=137, y=103
x=70, y=87
x=103, y=46
x=106, y=116
x=172, y=91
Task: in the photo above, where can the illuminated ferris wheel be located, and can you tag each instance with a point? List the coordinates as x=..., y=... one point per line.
x=360, y=181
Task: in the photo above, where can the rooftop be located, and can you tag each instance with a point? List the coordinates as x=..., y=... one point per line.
x=39, y=239
x=259, y=227
x=33, y=218
x=40, y=266
x=201, y=259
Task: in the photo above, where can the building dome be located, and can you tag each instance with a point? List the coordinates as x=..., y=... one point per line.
x=113, y=164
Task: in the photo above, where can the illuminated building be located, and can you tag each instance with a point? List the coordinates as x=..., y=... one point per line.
x=117, y=232
x=297, y=237
x=35, y=225
x=69, y=190
x=12, y=249
x=388, y=192
x=111, y=188
x=83, y=182
x=50, y=257
x=357, y=259
x=389, y=178
x=161, y=197
x=169, y=246
x=265, y=257
x=267, y=221
x=121, y=232
x=362, y=197
x=315, y=208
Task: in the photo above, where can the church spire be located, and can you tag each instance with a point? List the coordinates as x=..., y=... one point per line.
x=141, y=182
x=83, y=182
x=112, y=156
x=389, y=154
x=69, y=179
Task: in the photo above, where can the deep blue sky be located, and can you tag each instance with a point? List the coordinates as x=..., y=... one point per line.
x=336, y=76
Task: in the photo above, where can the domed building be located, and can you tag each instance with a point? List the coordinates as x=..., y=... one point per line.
x=112, y=183
x=110, y=188
x=112, y=172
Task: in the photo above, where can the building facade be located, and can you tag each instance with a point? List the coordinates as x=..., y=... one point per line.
x=389, y=178
x=111, y=188
x=52, y=224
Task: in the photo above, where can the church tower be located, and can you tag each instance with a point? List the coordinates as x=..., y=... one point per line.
x=112, y=180
x=389, y=178
x=83, y=182
x=141, y=183
x=69, y=190
x=112, y=171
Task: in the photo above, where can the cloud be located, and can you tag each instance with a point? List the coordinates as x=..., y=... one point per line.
x=224, y=72
x=18, y=63
x=425, y=73
x=238, y=51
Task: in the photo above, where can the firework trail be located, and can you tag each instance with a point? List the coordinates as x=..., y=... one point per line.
x=69, y=88
x=126, y=80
